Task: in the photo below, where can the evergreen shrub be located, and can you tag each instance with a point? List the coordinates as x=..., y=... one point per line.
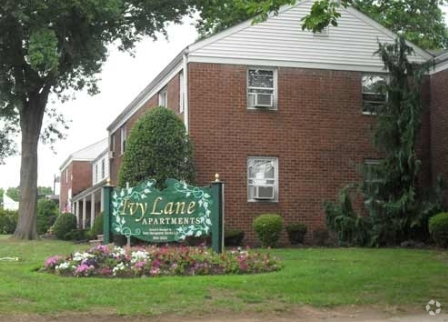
x=63, y=226
x=268, y=228
x=438, y=228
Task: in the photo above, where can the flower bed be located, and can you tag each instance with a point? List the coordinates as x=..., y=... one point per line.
x=110, y=261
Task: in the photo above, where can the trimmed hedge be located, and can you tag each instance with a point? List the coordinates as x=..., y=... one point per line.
x=8, y=221
x=438, y=228
x=296, y=233
x=64, y=225
x=233, y=237
x=268, y=228
x=97, y=228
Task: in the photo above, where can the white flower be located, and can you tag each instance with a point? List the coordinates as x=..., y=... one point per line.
x=78, y=257
x=62, y=266
x=139, y=256
x=119, y=267
x=119, y=251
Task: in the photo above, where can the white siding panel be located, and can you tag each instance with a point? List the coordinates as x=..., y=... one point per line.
x=281, y=38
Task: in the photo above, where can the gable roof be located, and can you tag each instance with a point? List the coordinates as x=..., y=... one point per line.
x=89, y=153
x=280, y=41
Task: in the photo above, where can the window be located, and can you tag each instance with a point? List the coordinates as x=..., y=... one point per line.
x=262, y=178
x=373, y=93
x=103, y=169
x=97, y=173
x=371, y=175
x=261, y=88
x=123, y=139
x=163, y=98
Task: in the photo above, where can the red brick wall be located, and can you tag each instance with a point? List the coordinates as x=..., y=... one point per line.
x=318, y=135
x=439, y=126
x=173, y=103
x=79, y=179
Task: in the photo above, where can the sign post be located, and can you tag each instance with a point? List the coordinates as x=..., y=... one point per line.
x=107, y=196
x=218, y=215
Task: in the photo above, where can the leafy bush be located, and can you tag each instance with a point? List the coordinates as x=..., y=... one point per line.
x=97, y=228
x=321, y=237
x=438, y=228
x=77, y=235
x=268, y=228
x=47, y=212
x=350, y=228
x=233, y=237
x=296, y=233
x=64, y=225
x=158, y=148
x=159, y=261
x=8, y=221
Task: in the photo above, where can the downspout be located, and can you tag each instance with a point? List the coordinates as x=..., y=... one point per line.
x=185, y=89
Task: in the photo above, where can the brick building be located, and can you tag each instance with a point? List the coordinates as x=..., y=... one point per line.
x=284, y=115
x=82, y=175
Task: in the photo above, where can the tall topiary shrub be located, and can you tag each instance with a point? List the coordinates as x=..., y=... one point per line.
x=268, y=228
x=158, y=148
x=438, y=228
x=63, y=225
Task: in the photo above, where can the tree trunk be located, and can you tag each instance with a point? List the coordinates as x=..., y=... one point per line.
x=31, y=117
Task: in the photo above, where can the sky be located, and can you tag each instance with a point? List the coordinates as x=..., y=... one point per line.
x=122, y=79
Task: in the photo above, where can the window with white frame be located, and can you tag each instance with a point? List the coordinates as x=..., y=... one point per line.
x=262, y=178
x=371, y=176
x=123, y=139
x=163, y=98
x=373, y=93
x=261, y=88
x=97, y=173
x=181, y=92
x=112, y=143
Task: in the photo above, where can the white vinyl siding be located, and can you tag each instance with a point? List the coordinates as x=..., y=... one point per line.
x=262, y=179
x=100, y=169
x=281, y=39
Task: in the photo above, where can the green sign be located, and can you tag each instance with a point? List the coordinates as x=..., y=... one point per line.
x=179, y=211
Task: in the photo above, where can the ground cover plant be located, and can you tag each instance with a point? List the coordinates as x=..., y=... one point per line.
x=111, y=261
x=317, y=277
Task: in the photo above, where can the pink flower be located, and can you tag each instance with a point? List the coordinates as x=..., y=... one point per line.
x=52, y=261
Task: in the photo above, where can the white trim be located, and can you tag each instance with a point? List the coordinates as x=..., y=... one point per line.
x=387, y=32
x=286, y=63
x=186, y=104
x=123, y=130
x=241, y=26
x=147, y=96
x=439, y=67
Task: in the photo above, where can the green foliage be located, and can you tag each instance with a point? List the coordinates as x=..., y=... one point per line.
x=351, y=228
x=233, y=237
x=421, y=21
x=2, y=191
x=13, y=193
x=63, y=226
x=97, y=228
x=158, y=148
x=8, y=221
x=47, y=212
x=268, y=228
x=438, y=228
x=77, y=235
x=296, y=233
x=321, y=237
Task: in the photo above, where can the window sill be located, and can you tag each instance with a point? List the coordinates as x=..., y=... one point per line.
x=262, y=201
x=369, y=113
x=262, y=109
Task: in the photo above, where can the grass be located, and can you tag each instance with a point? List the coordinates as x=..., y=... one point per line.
x=316, y=277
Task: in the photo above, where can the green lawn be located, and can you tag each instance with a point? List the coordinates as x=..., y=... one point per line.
x=317, y=277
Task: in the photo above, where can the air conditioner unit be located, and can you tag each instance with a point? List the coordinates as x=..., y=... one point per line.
x=111, y=154
x=261, y=99
x=263, y=192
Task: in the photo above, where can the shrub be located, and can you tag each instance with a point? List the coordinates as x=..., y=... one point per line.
x=296, y=233
x=63, y=225
x=8, y=221
x=97, y=228
x=233, y=237
x=268, y=228
x=321, y=237
x=158, y=148
x=77, y=235
x=47, y=212
x=438, y=228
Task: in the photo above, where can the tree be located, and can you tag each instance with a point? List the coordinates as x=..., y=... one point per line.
x=13, y=193
x=420, y=21
x=51, y=47
x=158, y=148
x=47, y=212
x=44, y=191
x=395, y=201
x=2, y=191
